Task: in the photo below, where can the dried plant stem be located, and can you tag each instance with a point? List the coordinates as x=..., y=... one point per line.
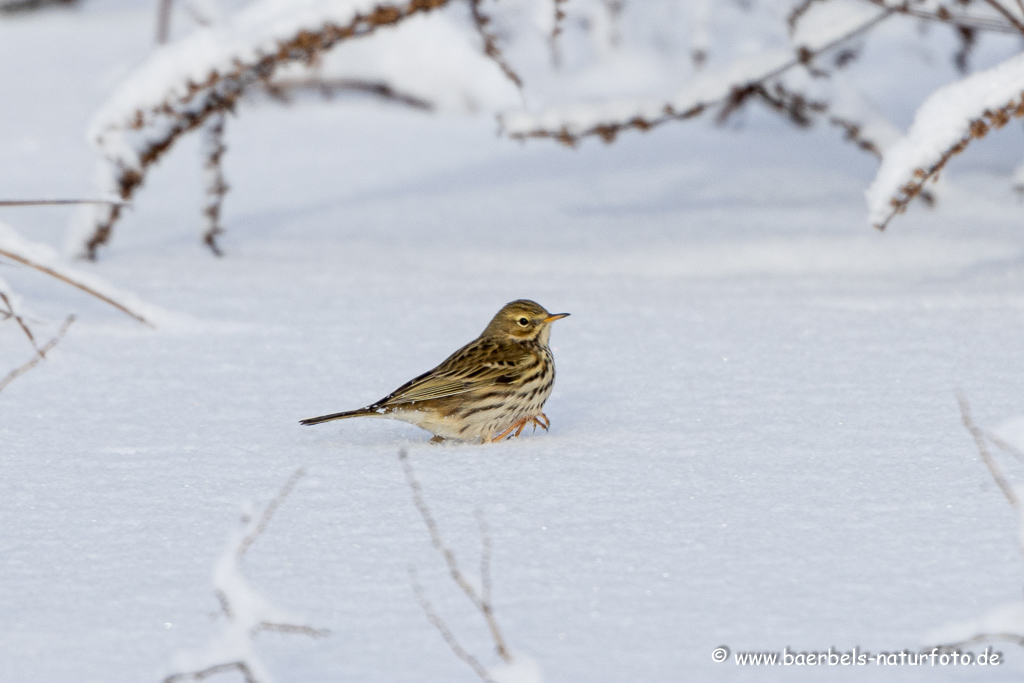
x=220, y=91
x=998, y=6
x=979, y=441
x=74, y=283
x=293, y=628
x=982, y=638
x=491, y=49
x=268, y=512
x=729, y=103
x=446, y=632
x=10, y=313
x=40, y=354
x=283, y=89
x=216, y=185
x=482, y=603
x=56, y=202
x=240, y=667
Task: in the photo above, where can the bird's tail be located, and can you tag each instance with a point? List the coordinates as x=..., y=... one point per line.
x=369, y=411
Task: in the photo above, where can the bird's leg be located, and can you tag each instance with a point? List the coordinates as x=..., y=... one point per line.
x=540, y=419
x=517, y=424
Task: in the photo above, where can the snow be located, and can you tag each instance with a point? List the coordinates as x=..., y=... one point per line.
x=942, y=121
x=754, y=441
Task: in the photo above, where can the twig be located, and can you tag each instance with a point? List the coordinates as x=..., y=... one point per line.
x=269, y=511
x=11, y=313
x=293, y=628
x=40, y=354
x=1006, y=447
x=240, y=667
x=482, y=605
x=283, y=89
x=446, y=633
x=58, y=202
x=74, y=283
x=491, y=49
x=216, y=185
x=984, y=637
x=979, y=440
x=608, y=131
x=997, y=6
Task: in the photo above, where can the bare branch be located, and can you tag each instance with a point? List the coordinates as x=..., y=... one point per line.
x=982, y=638
x=979, y=440
x=74, y=283
x=40, y=354
x=216, y=185
x=240, y=667
x=491, y=49
x=446, y=633
x=728, y=103
x=11, y=313
x=293, y=628
x=483, y=606
x=997, y=6
x=283, y=89
x=58, y=202
x=269, y=511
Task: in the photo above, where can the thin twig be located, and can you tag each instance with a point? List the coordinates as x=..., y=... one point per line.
x=446, y=633
x=984, y=637
x=58, y=202
x=1006, y=447
x=756, y=86
x=979, y=440
x=11, y=313
x=292, y=628
x=216, y=185
x=483, y=606
x=491, y=49
x=74, y=283
x=283, y=89
x=240, y=667
x=1006, y=13
x=40, y=354
x=269, y=511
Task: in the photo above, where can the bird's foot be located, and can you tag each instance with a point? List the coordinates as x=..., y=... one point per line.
x=540, y=420
x=518, y=426
x=437, y=439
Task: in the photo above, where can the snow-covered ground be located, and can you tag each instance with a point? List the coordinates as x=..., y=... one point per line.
x=755, y=441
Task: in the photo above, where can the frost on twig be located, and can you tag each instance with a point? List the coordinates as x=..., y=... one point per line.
x=244, y=612
x=1005, y=623
x=518, y=668
x=945, y=124
x=187, y=83
x=482, y=23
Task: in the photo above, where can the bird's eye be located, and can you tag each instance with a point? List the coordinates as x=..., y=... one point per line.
x=524, y=322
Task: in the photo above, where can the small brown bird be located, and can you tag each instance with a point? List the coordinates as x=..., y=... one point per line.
x=491, y=387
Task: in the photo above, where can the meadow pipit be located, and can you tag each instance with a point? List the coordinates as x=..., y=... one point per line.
x=492, y=387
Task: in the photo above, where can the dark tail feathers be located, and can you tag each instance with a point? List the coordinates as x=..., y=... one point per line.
x=362, y=412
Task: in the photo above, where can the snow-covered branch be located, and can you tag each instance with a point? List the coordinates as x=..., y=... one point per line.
x=944, y=126
x=754, y=77
x=186, y=83
x=245, y=612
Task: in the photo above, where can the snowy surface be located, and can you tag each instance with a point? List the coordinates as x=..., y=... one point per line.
x=755, y=440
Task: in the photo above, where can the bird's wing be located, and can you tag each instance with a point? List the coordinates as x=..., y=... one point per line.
x=466, y=370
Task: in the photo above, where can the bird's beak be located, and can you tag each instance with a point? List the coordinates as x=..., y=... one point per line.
x=553, y=318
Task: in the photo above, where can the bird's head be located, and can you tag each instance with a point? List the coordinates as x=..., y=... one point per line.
x=522, y=320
